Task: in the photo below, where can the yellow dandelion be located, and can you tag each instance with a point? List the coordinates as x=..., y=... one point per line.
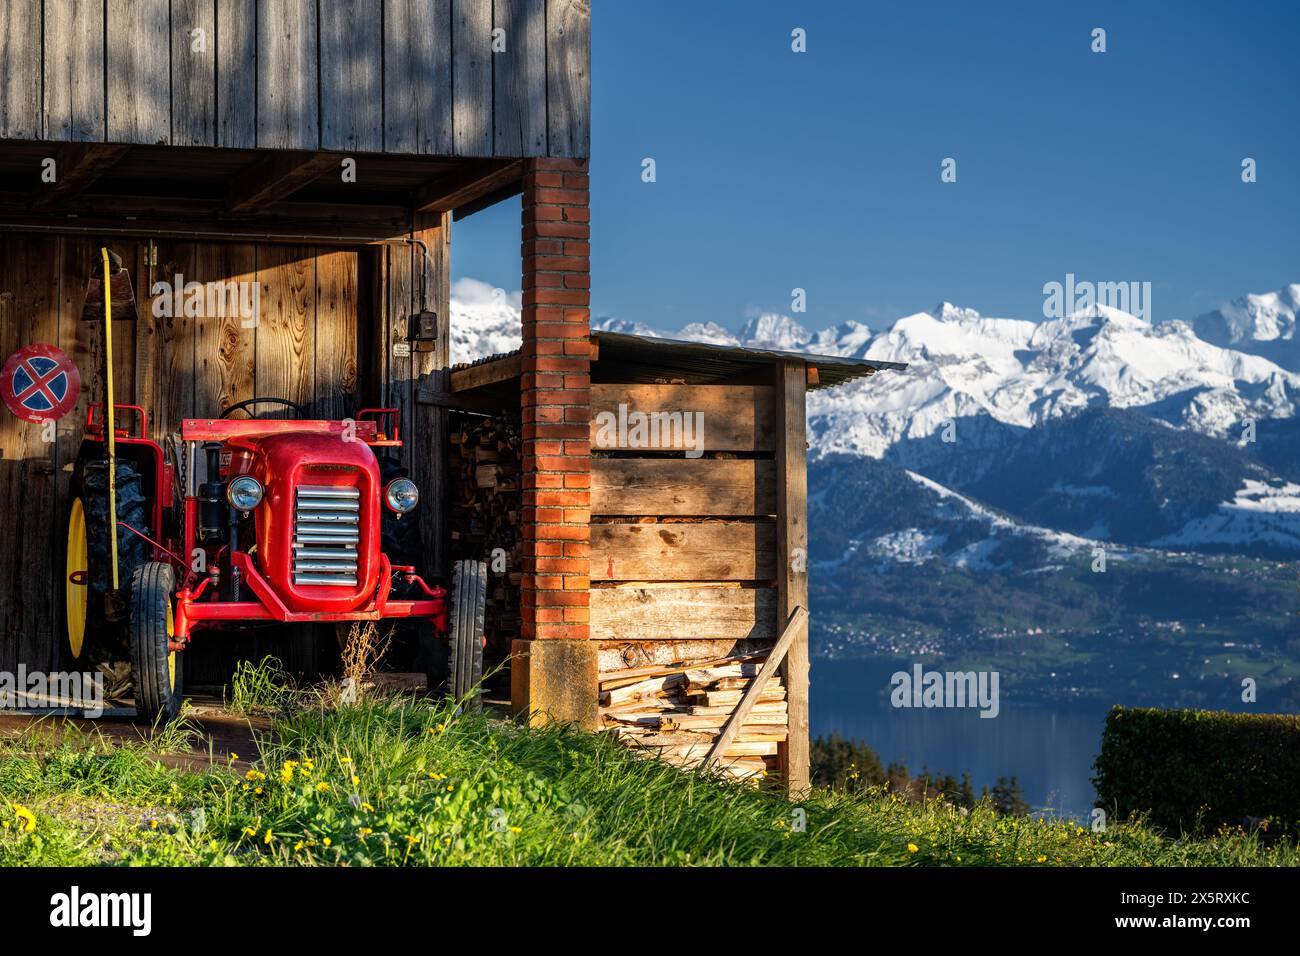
x=258, y=791
x=516, y=829
x=355, y=780
x=322, y=787
x=327, y=842
x=153, y=824
x=412, y=840
x=269, y=836
x=913, y=848
x=368, y=808
x=298, y=846
x=345, y=760
x=28, y=818
x=365, y=831
x=249, y=831
x=1042, y=859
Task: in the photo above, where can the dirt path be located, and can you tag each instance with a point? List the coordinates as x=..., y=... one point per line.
x=221, y=735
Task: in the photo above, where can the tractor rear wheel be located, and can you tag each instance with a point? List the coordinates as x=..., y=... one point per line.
x=465, y=639
x=155, y=667
x=88, y=574
x=90, y=485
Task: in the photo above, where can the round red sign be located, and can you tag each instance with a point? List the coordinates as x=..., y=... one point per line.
x=40, y=383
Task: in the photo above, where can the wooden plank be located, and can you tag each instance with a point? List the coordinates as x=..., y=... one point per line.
x=720, y=551
x=288, y=113
x=417, y=77
x=486, y=373
x=794, y=627
x=471, y=83
x=519, y=78
x=29, y=305
x=568, y=77
x=139, y=83
x=224, y=344
x=74, y=70
x=683, y=613
x=77, y=166
x=237, y=69
x=284, y=341
x=275, y=177
x=351, y=81
x=733, y=417
x=682, y=486
x=20, y=78
x=792, y=549
x=176, y=335
x=336, y=334
x=461, y=187
x=429, y=468
x=194, y=72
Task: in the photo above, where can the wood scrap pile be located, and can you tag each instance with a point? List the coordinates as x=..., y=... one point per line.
x=486, y=501
x=677, y=710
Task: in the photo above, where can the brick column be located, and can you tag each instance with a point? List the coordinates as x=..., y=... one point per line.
x=553, y=674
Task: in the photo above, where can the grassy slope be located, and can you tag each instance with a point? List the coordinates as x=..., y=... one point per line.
x=401, y=781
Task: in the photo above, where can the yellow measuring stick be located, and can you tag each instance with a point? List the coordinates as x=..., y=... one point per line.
x=108, y=419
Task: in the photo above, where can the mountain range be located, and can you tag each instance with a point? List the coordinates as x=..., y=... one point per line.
x=1013, y=457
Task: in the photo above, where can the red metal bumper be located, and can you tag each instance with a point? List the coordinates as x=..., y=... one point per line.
x=191, y=613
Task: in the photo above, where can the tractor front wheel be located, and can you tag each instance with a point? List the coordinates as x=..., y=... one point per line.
x=465, y=651
x=155, y=667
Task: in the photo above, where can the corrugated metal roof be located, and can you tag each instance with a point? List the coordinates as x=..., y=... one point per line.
x=701, y=358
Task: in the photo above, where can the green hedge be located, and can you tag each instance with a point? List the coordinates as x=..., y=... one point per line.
x=1195, y=768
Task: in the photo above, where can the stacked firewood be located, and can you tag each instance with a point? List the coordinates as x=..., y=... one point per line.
x=486, y=501
x=677, y=711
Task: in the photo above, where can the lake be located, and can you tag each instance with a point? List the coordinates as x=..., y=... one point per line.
x=1048, y=748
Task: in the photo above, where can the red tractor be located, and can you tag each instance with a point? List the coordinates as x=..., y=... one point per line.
x=295, y=521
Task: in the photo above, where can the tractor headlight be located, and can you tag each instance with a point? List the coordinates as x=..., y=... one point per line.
x=401, y=495
x=244, y=493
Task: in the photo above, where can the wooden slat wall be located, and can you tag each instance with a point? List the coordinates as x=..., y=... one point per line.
x=303, y=345
x=689, y=555
x=413, y=77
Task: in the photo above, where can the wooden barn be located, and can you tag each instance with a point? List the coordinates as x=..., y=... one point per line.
x=317, y=153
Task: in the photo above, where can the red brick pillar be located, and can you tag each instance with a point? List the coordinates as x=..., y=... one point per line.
x=554, y=668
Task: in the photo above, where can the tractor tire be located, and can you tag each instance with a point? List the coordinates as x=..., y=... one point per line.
x=469, y=580
x=132, y=508
x=155, y=667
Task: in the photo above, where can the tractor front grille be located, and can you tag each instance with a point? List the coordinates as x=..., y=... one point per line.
x=326, y=533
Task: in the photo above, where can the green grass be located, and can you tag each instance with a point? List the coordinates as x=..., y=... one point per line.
x=401, y=781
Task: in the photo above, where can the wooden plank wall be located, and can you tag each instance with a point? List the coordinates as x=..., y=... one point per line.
x=323, y=337
x=688, y=554
x=507, y=78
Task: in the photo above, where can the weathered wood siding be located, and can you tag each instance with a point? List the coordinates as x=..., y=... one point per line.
x=480, y=78
x=696, y=559
x=323, y=336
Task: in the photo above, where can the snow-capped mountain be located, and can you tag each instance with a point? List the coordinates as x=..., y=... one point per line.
x=1259, y=324
x=981, y=392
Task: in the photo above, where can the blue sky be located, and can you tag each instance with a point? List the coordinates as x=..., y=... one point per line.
x=821, y=170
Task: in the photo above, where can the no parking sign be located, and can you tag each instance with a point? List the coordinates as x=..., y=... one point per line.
x=40, y=383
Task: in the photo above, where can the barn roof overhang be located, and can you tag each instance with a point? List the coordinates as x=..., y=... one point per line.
x=642, y=355
x=263, y=195
x=627, y=358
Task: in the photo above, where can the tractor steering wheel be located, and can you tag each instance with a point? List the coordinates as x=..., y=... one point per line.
x=299, y=412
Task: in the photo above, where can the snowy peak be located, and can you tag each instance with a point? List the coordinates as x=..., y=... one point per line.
x=772, y=330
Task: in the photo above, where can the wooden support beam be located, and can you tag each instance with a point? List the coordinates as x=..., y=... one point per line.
x=796, y=625
x=486, y=373
x=461, y=188
x=274, y=178
x=792, y=554
x=76, y=167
